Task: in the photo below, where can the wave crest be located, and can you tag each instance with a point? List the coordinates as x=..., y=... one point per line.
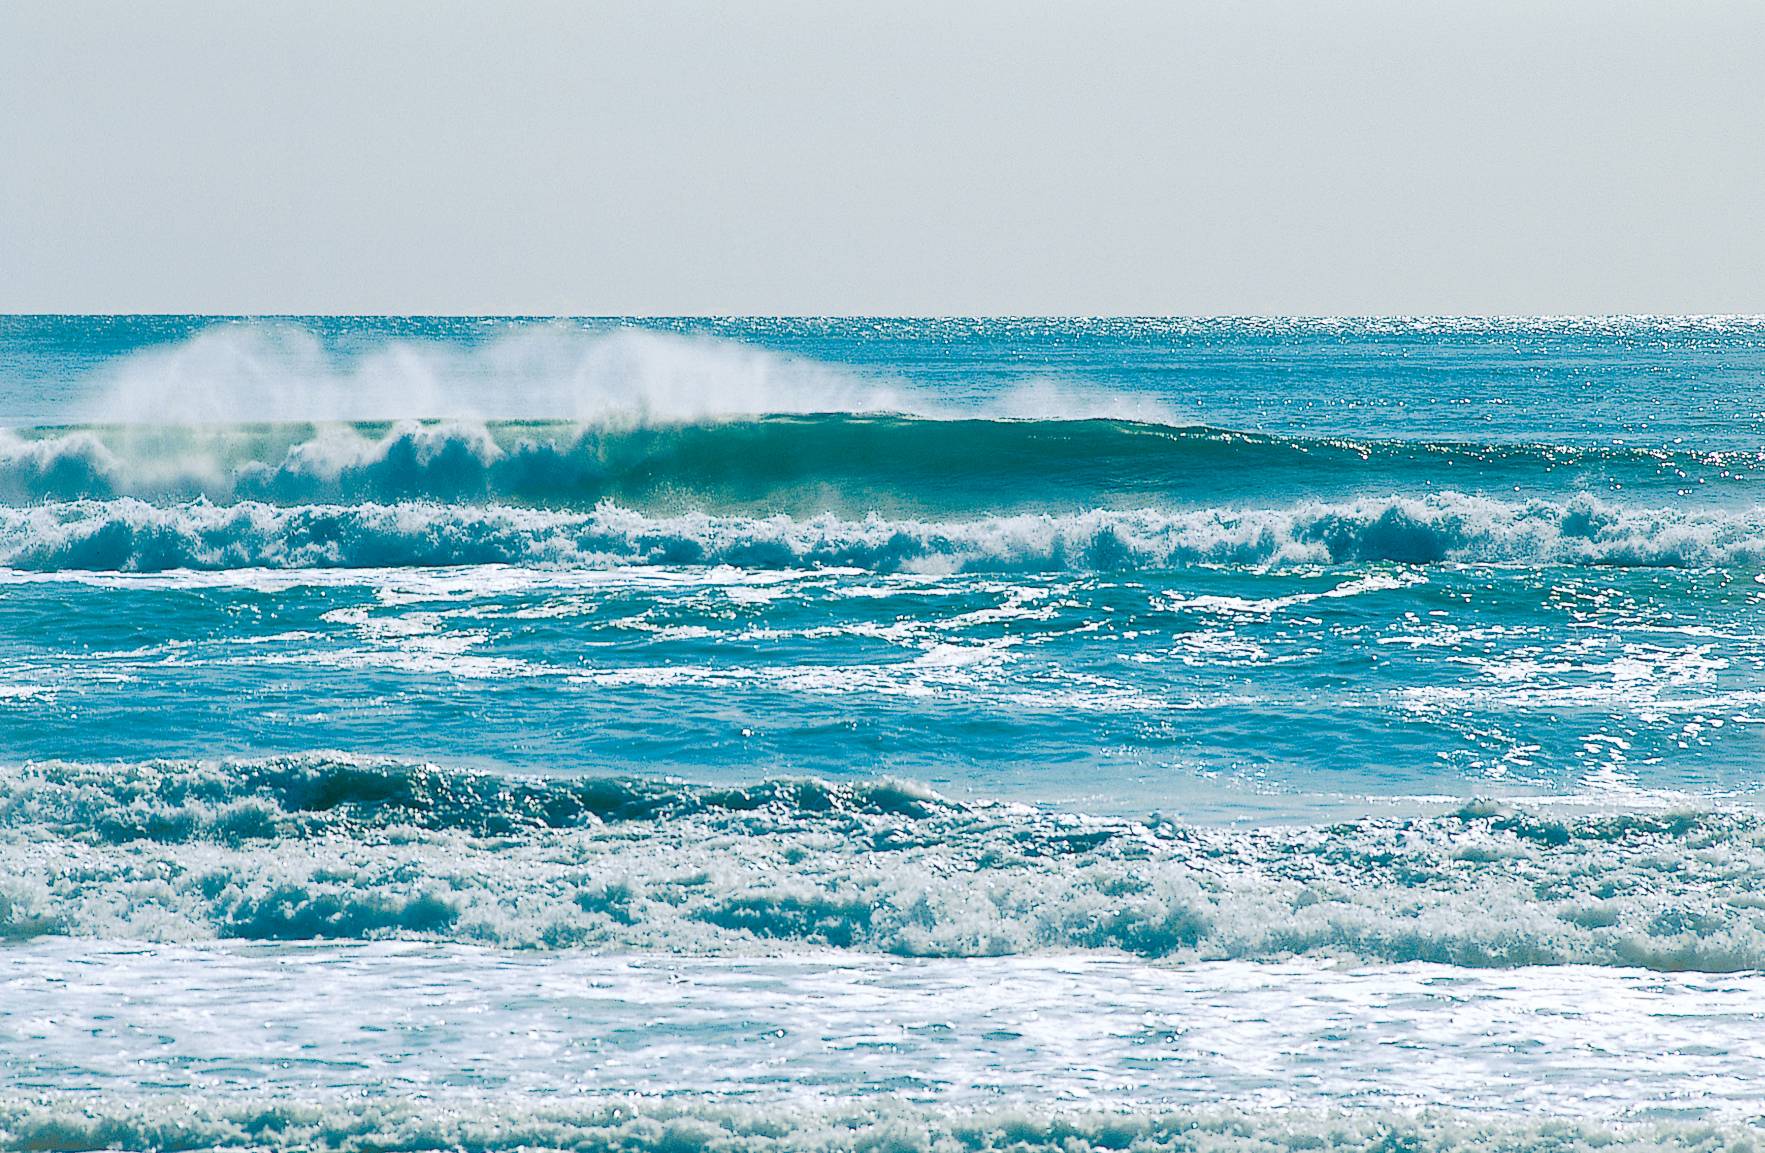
x=133, y=536
x=804, y=463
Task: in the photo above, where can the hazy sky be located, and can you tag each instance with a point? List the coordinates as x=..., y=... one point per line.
x=829, y=157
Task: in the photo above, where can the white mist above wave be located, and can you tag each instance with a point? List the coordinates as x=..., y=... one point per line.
x=132, y=535
x=264, y=371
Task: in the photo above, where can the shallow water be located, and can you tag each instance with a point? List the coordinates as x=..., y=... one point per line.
x=390, y=1019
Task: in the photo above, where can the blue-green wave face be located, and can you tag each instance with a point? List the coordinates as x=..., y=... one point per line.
x=849, y=464
x=888, y=493
x=690, y=734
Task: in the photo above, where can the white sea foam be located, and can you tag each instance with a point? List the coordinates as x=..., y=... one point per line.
x=444, y=1120
x=132, y=535
x=387, y=1019
x=331, y=846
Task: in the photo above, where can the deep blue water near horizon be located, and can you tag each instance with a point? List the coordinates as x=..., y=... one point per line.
x=614, y=732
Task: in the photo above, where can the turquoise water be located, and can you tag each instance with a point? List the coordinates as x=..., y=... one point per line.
x=1311, y=687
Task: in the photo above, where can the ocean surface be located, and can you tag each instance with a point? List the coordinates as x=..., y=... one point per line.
x=739, y=734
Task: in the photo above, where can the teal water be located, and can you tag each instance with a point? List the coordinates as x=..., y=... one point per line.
x=1417, y=665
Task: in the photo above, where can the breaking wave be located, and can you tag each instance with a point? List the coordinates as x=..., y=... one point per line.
x=651, y=1124
x=327, y=846
x=129, y=535
x=840, y=462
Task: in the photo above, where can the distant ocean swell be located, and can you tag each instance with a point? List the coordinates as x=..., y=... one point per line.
x=653, y=1125
x=833, y=462
x=338, y=847
x=130, y=535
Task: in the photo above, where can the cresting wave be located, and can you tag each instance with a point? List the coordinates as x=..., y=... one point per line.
x=656, y=1125
x=336, y=847
x=130, y=535
x=840, y=462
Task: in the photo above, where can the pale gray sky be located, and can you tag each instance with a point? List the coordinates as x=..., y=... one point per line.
x=1361, y=156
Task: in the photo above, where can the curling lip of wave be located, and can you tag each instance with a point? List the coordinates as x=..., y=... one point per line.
x=876, y=457
x=331, y=846
x=132, y=536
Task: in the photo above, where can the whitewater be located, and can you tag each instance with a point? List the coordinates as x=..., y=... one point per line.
x=821, y=734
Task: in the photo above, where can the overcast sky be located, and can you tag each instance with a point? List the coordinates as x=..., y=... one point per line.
x=1313, y=157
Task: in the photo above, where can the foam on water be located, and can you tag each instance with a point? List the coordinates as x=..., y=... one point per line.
x=646, y=1124
x=133, y=536
x=330, y=847
x=1093, y=1035
x=1220, y=693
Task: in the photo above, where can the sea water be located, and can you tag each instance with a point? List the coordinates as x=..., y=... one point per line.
x=888, y=733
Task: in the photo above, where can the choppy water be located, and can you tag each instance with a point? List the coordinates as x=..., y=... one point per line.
x=1310, y=722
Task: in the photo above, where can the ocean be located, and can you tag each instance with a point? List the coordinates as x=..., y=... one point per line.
x=771, y=734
